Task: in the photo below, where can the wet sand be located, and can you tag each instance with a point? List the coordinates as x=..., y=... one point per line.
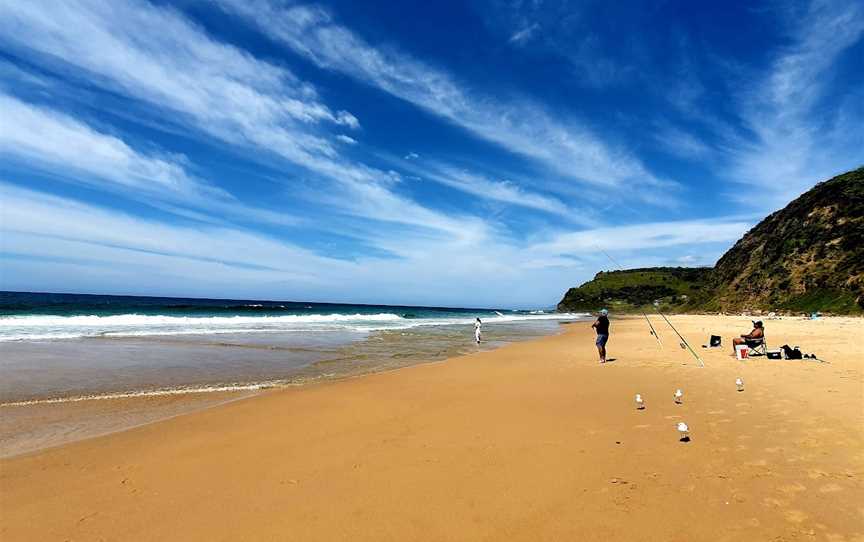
x=533, y=441
x=54, y=392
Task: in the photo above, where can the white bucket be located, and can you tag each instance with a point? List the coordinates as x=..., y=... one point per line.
x=742, y=352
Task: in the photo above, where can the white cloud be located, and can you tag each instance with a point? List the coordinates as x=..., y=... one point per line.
x=412, y=156
x=38, y=224
x=797, y=139
x=522, y=36
x=156, y=56
x=48, y=140
x=42, y=135
x=108, y=251
x=643, y=236
x=566, y=148
x=348, y=140
x=681, y=143
x=495, y=190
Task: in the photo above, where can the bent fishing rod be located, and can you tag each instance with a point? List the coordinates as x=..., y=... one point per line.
x=684, y=343
x=650, y=325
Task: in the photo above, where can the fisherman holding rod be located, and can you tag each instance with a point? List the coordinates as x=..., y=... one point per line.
x=684, y=343
x=602, y=327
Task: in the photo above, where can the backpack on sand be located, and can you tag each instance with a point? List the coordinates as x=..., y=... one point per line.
x=791, y=353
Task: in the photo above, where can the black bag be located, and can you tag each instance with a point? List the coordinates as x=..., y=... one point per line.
x=714, y=342
x=791, y=353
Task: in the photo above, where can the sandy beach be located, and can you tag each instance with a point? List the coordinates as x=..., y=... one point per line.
x=533, y=441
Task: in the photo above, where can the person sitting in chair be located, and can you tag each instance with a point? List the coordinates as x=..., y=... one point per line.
x=752, y=339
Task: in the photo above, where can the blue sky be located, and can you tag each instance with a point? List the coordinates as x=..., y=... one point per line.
x=439, y=153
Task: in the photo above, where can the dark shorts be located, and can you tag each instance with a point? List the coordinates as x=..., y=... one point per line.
x=753, y=343
x=601, y=340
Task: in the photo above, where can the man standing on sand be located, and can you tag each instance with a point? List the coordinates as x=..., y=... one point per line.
x=477, y=325
x=602, y=327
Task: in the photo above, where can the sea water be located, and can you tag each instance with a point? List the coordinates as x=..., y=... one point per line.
x=69, y=347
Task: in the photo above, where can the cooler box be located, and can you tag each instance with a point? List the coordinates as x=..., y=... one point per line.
x=742, y=351
x=774, y=354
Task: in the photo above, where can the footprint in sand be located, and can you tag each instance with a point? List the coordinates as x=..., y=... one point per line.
x=773, y=502
x=791, y=489
x=741, y=405
x=743, y=437
x=795, y=516
x=642, y=426
x=757, y=463
x=830, y=488
x=671, y=417
x=715, y=412
x=773, y=449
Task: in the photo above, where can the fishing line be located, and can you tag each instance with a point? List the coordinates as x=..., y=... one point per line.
x=650, y=325
x=684, y=343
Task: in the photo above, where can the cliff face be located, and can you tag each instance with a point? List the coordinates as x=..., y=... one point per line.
x=807, y=256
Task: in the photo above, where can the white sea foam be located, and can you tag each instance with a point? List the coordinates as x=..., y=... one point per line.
x=149, y=320
x=148, y=393
x=42, y=327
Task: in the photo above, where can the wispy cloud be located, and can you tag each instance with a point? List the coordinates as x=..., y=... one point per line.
x=485, y=188
x=42, y=135
x=348, y=140
x=798, y=139
x=55, y=142
x=158, y=57
x=643, y=236
x=564, y=147
x=681, y=143
x=42, y=225
x=523, y=35
x=176, y=67
x=114, y=251
x=498, y=190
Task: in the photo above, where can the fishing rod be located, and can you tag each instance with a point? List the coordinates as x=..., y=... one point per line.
x=684, y=343
x=650, y=325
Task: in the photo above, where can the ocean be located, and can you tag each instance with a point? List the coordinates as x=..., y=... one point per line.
x=72, y=347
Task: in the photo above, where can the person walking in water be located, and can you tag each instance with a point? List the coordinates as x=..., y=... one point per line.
x=477, y=325
x=601, y=325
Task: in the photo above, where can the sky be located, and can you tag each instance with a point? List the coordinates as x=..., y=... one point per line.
x=472, y=154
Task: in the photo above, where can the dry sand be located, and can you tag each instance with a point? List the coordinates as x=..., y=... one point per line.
x=534, y=441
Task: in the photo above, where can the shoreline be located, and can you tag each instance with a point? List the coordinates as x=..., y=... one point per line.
x=534, y=440
x=66, y=419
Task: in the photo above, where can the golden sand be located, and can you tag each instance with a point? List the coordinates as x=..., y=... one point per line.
x=534, y=441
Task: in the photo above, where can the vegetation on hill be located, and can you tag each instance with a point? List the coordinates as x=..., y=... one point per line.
x=626, y=291
x=809, y=256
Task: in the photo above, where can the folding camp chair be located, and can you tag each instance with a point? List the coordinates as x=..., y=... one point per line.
x=756, y=347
